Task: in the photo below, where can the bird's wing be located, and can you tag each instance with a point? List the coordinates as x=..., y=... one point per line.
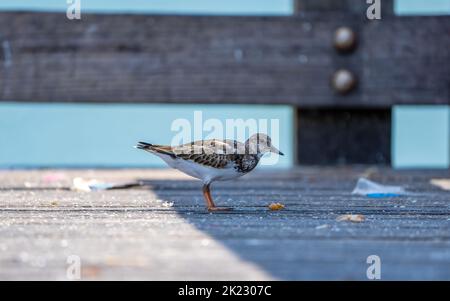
x=213, y=153
x=211, y=160
x=213, y=146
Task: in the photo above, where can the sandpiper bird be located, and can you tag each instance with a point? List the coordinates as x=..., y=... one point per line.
x=214, y=160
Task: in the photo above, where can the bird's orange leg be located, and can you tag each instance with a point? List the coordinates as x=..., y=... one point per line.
x=209, y=201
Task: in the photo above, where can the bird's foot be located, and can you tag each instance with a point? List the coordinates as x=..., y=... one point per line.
x=218, y=209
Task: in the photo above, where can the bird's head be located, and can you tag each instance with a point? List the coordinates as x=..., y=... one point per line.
x=261, y=144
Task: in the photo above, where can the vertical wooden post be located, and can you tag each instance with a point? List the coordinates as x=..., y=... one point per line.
x=347, y=135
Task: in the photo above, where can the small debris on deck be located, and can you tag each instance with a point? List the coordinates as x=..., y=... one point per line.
x=355, y=218
x=276, y=206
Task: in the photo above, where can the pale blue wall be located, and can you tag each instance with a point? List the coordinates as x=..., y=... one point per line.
x=421, y=136
x=422, y=7
x=77, y=135
x=231, y=7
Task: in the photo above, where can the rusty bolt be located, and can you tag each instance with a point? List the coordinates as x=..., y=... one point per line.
x=343, y=81
x=344, y=39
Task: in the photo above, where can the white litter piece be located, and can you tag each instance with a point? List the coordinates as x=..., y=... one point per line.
x=374, y=190
x=322, y=227
x=80, y=184
x=354, y=218
x=167, y=204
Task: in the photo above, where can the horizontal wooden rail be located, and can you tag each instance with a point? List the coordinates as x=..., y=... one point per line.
x=44, y=57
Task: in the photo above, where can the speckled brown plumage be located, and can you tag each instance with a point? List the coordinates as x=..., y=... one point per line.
x=213, y=153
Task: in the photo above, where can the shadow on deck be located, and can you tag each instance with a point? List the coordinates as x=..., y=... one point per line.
x=410, y=234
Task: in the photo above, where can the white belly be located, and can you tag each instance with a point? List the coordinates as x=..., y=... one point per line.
x=204, y=173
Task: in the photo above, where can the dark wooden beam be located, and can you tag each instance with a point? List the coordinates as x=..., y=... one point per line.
x=344, y=136
x=185, y=59
x=354, y=7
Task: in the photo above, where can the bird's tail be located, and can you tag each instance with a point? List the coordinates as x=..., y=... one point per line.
x=166, y=150
x=144, y=145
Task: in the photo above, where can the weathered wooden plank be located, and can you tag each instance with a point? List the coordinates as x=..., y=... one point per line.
x=185, y=59
x=129, y=234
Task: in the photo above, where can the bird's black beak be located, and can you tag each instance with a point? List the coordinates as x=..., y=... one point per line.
x=273, y=149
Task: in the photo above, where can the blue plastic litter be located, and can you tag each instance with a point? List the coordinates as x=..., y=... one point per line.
x=374, y=190
x=382, y=195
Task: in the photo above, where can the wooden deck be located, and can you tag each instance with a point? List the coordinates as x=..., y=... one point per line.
x=134, y=234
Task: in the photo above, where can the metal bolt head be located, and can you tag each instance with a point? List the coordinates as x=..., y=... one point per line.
x=344, y=39
x=343, y=81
